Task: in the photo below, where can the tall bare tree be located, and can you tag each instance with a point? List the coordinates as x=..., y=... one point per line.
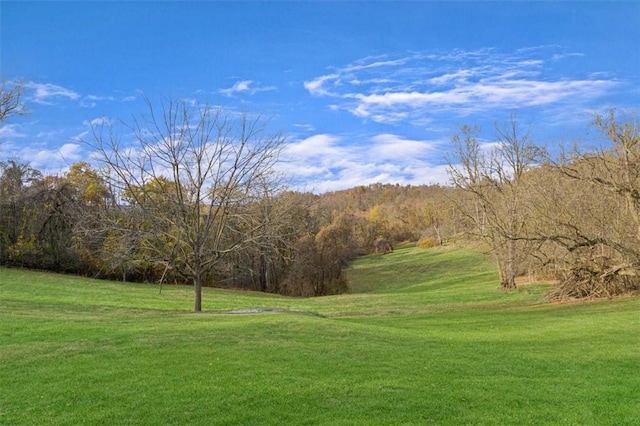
x=599, y=229
x=189, y=172
x=494, y=181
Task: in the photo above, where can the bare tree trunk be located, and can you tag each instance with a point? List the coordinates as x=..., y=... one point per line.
x=197, y=292
x=495, y=181
x=507, y=271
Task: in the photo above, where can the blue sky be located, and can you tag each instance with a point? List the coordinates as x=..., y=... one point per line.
x=365, y=91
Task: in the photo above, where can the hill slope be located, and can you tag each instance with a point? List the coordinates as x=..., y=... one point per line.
x=425, y=338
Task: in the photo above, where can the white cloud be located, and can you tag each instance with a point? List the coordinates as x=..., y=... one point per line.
x=50, y=160
x=99, y=98
x=99, y=121
x=245, y=86
x=314, y=146
x=47, y=93
x=238, y=87
x=416, y=87
x=315, y=86
x=10, y=131
x=373, y=62
x=70, y=151
x=80, y=137
x=560, y=56
x=394, y=147
x=50, y=94
x=334, y=162
x=90, y=101
x=304, y=127
x=459, y=75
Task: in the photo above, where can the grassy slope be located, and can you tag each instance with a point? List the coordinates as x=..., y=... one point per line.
x=425, y=338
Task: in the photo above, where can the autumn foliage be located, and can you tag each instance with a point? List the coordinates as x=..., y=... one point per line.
x=573, y=217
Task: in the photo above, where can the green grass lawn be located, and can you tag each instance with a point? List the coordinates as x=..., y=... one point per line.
x=425, y=337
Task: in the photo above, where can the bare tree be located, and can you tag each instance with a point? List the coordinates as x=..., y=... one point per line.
x=190, y=172
x=10, y=103
x=597, y=223
x=615, y=169
x=494, y=181
x=10, y=100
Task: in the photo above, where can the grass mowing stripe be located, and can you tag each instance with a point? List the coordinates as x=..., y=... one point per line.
x=304, y=367
x=434, y=349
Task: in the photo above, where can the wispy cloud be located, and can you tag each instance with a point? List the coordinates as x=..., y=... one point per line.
x=54, y=94
x=48, y=93
x=317, y=86
x=245, y=87
x=11, y=131
x=99, y=121
x=393, y=147
x=91, y=101
x=238, y=87
x=458, y=83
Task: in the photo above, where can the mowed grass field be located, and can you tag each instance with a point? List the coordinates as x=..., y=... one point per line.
x=425, y=337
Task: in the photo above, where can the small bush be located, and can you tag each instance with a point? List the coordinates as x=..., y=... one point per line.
x=427, y=242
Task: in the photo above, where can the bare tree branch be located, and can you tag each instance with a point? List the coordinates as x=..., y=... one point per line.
x=10, y=100
x=191, y=171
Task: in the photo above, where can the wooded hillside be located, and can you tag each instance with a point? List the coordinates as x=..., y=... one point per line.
x=195, y=200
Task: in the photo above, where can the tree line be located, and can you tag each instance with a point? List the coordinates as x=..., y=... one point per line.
x=288, y=243
x=186, y=193
x=573, y=217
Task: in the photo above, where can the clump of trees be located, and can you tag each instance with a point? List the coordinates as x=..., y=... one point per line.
x=282, y=242
x=597, y=225
x=193, y=197
x=575, y=219
x=494, y=189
